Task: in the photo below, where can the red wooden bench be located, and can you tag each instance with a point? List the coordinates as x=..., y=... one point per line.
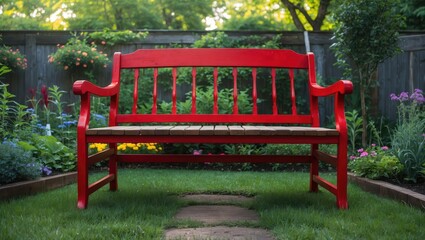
x=274, y=127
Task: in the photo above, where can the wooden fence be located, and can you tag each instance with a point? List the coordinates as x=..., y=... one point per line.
x=404, y=72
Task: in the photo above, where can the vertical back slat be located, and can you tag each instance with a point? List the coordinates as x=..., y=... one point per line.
x=274, y=95
x=235, y=91
x=254, y=91
x=215, y=74
x=294, y=105
x=135, y=90
x=193, y=90
x=155, y=91
x=174, y=94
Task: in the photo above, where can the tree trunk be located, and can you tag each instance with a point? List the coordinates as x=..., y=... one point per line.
x=316, y=23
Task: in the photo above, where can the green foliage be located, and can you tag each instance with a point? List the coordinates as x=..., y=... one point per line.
x=366, y=34
x=140, y=14
x=112, y=38
x=354, y=125
x=13, y=59
x=51, y=153
x=414, y=12
x=13, y=117
x=76, y=54
x=375, y=163
x=408, y=138
x=17, y=164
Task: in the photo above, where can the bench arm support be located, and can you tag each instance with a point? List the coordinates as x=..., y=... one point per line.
x=82, y=87
x=341, y=86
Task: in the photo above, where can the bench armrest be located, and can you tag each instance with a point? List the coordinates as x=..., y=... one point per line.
x=341, y=86
x=82, y=87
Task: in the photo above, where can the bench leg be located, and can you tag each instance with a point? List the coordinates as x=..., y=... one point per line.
x=342, y=179
x=113, y=186
x=83, y=176
x=314, y=169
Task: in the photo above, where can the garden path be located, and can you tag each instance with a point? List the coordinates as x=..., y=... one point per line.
x=216, y=213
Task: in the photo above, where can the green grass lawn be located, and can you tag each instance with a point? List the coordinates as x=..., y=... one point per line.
x=147, y=200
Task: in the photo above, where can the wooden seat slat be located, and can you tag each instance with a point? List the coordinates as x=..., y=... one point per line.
x=213, y=130
x=236, y=130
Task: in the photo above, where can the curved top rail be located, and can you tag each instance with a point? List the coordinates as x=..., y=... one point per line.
x=214, y=57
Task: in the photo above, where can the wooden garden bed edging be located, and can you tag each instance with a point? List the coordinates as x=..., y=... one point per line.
x=389, y=190
x=32, y=187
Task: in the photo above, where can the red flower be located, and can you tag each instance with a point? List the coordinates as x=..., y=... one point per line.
x=45, y=95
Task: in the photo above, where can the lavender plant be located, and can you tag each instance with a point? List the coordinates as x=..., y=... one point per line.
x=408, y=138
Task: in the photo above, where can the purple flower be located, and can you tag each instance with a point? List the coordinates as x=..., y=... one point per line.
x=364, y=154
x=384, y=148
x=360, y=150
x=393, y=97
x=404, y=96
x=46, y=171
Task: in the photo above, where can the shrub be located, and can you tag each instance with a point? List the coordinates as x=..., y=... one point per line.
x=375, y=163
x=51, y=153
x=111, y=38
x=77, y=54
x=17, y=164
x=12, y=58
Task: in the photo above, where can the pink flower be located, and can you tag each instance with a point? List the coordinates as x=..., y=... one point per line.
x=360, y=150
x=197, y=152
x=373, y=144
x=364, y=154
x=373, y=153
x=384, y=148
x=103, y=42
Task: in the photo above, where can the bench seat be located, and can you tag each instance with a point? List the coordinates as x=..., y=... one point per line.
x=211, y=130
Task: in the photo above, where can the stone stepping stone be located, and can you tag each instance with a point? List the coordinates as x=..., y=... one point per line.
x=211, y=233
x=217, y=199
x=215, y=214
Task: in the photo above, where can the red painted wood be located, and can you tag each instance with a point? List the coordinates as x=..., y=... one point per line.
x=231, y=139
x=254, y=91
x=210, y=158
x=174, y=94
x=230, y=58
x=135, y=90
x=215, y=107
x=214, y=118
x=214, y=57
x=235, y=90
x=193, y=90
x=293, y=98
x=155, y=91
x=274, y=94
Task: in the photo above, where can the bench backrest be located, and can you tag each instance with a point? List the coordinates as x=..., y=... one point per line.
x=274, y=66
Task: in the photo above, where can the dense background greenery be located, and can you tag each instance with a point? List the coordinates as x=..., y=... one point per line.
x=184, y=14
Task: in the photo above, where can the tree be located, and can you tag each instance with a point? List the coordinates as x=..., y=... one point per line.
x=140, y=14
x=414, y=12
x=254, y=15
x=302, y=12
x=366, y=34
x=28, y=14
